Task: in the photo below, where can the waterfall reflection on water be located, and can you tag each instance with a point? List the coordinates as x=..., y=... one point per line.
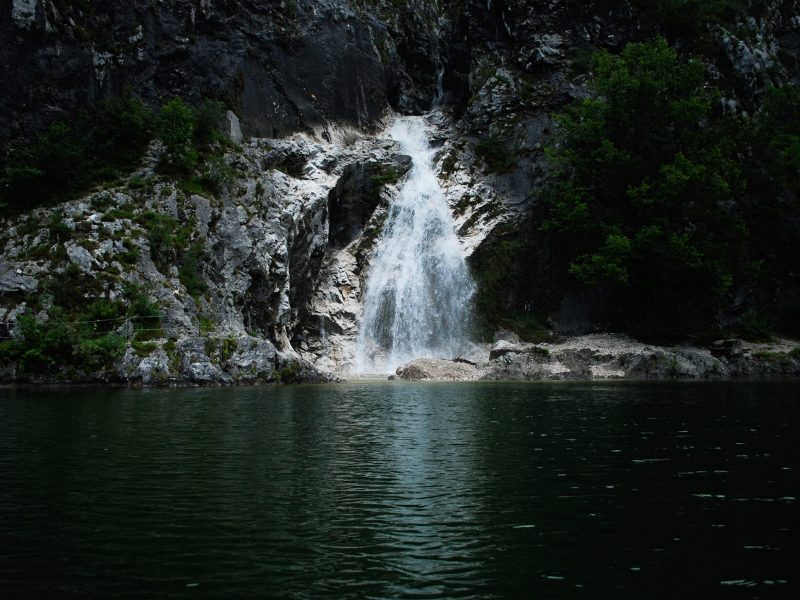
x=419, y=294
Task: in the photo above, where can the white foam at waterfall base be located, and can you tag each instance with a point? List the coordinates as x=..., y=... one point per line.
x=419, y=294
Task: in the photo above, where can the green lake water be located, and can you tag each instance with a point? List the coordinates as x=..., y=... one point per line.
x=401, y=490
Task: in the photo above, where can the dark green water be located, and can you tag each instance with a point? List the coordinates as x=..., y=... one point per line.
x=381, y=490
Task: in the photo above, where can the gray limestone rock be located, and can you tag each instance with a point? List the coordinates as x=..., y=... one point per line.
x=80, y=256
x=14, y=279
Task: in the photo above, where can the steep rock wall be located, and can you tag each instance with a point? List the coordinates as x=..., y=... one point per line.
x=281, y=65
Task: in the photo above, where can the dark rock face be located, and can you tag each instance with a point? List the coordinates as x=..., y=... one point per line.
x=282, y=66
x=356, y=195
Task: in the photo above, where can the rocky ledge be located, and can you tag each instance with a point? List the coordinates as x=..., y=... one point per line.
x=604, y=357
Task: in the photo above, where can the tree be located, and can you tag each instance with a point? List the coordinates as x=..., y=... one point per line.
x=176, y=125
x=644, y=192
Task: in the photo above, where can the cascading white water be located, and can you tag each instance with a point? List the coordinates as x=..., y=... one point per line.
x=419, y=291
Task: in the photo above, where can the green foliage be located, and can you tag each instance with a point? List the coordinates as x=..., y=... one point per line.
x=756, y=327
x=70, y=289
x=689, y=19
x=772, y=211
x=228, y=348
x=143, y=349
x=645, y=189
x=387, y=174
x=491, y=276
x=495, y=153
x=188, y=134
x=194, y=185
x=217, y=174
x=47, y=347
x=95, y=147
x=131, y=254
x=86, y=330
x=778, y=131
x=189, y=272
x=207, y=120
x=781, y=359
x=71, y=157
x=167, y=239
x=206, y=324
x=288, y=374
x=127, y=125
x=137, y=183
x=176, y=129
x=58, y=230
x=100, y=353
x=499, y=272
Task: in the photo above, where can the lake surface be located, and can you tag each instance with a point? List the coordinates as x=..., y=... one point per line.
x=395, y=490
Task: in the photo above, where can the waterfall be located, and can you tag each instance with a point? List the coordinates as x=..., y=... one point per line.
x=419, y=291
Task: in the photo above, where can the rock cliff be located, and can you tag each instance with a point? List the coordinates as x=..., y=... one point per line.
x=282, y=249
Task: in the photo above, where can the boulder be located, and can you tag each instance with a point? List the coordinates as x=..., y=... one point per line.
x=435, y=369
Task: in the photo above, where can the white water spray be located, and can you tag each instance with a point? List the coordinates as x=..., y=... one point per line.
x=419, y=291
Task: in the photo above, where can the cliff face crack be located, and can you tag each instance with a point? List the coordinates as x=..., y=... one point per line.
x=419, y=292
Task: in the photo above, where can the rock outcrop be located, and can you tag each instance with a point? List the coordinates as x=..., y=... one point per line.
x=260, y=243
x=604, y=357
x=281, y=65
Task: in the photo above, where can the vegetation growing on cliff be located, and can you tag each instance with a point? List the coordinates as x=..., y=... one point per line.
x=79, y=334
x=652, y=191
x=690, y=19
x=72, y=156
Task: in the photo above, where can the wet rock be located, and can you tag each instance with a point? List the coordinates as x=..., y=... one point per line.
x=205, y=372
x=605, y=357
x=357, y=194
x=150, y=370
x=432, y=369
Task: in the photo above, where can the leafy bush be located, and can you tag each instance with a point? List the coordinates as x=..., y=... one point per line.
x=85, y=329
x=207, y=119
x=778, y=127
x=756, y=327
x=176, y=128
x=188, y=133
x=167, y=239
x=493, y=150
x=189, y=271
x=46, y=347
x=216, y=175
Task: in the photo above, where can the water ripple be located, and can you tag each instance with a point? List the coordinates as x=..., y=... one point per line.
x=399, y=491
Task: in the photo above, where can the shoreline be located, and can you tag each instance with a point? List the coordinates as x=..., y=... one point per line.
x=590, y=358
